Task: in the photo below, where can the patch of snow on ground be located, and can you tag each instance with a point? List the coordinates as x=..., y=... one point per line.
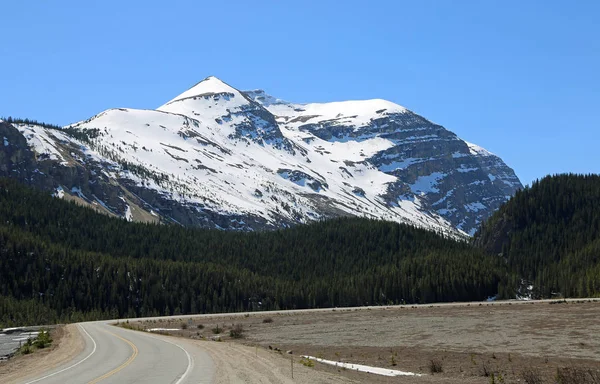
x=41, y=140
x=6, y=142
x=357, y=113
x=527, y=295
x=475, y=207
x=426, y=184
x=394, y=165
x=162, y=329
x=77, y=191
x=464, y=169
x=60, y=192
x=477, y=150
x=128, y=214
x=363, y=368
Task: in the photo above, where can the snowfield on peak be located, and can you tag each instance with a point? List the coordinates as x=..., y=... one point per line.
x=477, y=150
x=208, y=86
x=222, y=158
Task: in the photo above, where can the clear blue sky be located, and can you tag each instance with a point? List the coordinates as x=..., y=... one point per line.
x=520, y=78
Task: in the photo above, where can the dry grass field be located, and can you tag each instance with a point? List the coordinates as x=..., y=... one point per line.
x=501, y=342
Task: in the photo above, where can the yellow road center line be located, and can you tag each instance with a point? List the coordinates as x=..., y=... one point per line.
x=120, y=367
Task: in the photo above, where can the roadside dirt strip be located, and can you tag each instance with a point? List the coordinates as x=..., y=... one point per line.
x=237, y=363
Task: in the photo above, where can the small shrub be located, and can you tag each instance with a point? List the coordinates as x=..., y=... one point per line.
x=572, y=375
x=25, y=350
x=307, y=362
x=43, y=340
x=485, y=370
x=200, y=326
x=216, y=330
x=435, y=366
x=184, y=326
x=532, y=376
x=268, y=320
x=237, y=332
x=473, y=359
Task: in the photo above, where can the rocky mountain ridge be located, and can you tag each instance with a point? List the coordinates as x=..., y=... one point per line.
x=218, y=157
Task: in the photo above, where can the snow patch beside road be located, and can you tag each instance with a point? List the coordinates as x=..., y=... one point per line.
x=364, y=368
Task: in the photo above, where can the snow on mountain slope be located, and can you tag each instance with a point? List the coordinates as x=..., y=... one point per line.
x=208, y=86
x=449, y=175
x=218, y=157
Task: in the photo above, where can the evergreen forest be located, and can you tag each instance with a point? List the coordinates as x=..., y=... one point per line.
x=549, y=235
x=60, y=262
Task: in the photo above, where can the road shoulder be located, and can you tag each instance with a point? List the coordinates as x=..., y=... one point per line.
x=240, y=363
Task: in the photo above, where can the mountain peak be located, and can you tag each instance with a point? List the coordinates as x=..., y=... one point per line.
x=220, y=157
x=208, y=86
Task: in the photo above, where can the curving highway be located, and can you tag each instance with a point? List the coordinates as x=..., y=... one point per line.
x=120, y=356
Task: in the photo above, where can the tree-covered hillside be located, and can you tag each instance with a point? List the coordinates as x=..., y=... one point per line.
x=63, y=262
x=549, y=234
x=60, y=261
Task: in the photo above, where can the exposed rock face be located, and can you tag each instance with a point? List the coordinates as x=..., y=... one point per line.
x=458, y=180
x=48, y=159
x=221, y=158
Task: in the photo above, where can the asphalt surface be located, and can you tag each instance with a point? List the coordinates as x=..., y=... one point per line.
x=121, y=356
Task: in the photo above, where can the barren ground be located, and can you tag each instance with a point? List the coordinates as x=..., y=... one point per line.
x=470, y=342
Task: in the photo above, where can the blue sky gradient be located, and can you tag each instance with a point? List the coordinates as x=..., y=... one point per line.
x=520, y=78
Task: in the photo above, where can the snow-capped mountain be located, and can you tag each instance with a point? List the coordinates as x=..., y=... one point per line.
x=218, y=157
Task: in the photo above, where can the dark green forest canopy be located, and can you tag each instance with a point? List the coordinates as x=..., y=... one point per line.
x=63, y=262
x=60, y=261
x=549, y=234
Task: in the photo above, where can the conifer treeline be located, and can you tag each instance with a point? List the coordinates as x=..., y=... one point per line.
x=549, y=234
x=18, y=120
x=62, y=262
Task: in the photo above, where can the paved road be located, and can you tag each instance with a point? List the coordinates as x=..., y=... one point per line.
x=121, y=356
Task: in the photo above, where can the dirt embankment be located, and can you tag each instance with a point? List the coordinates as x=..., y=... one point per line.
x=67, y=343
